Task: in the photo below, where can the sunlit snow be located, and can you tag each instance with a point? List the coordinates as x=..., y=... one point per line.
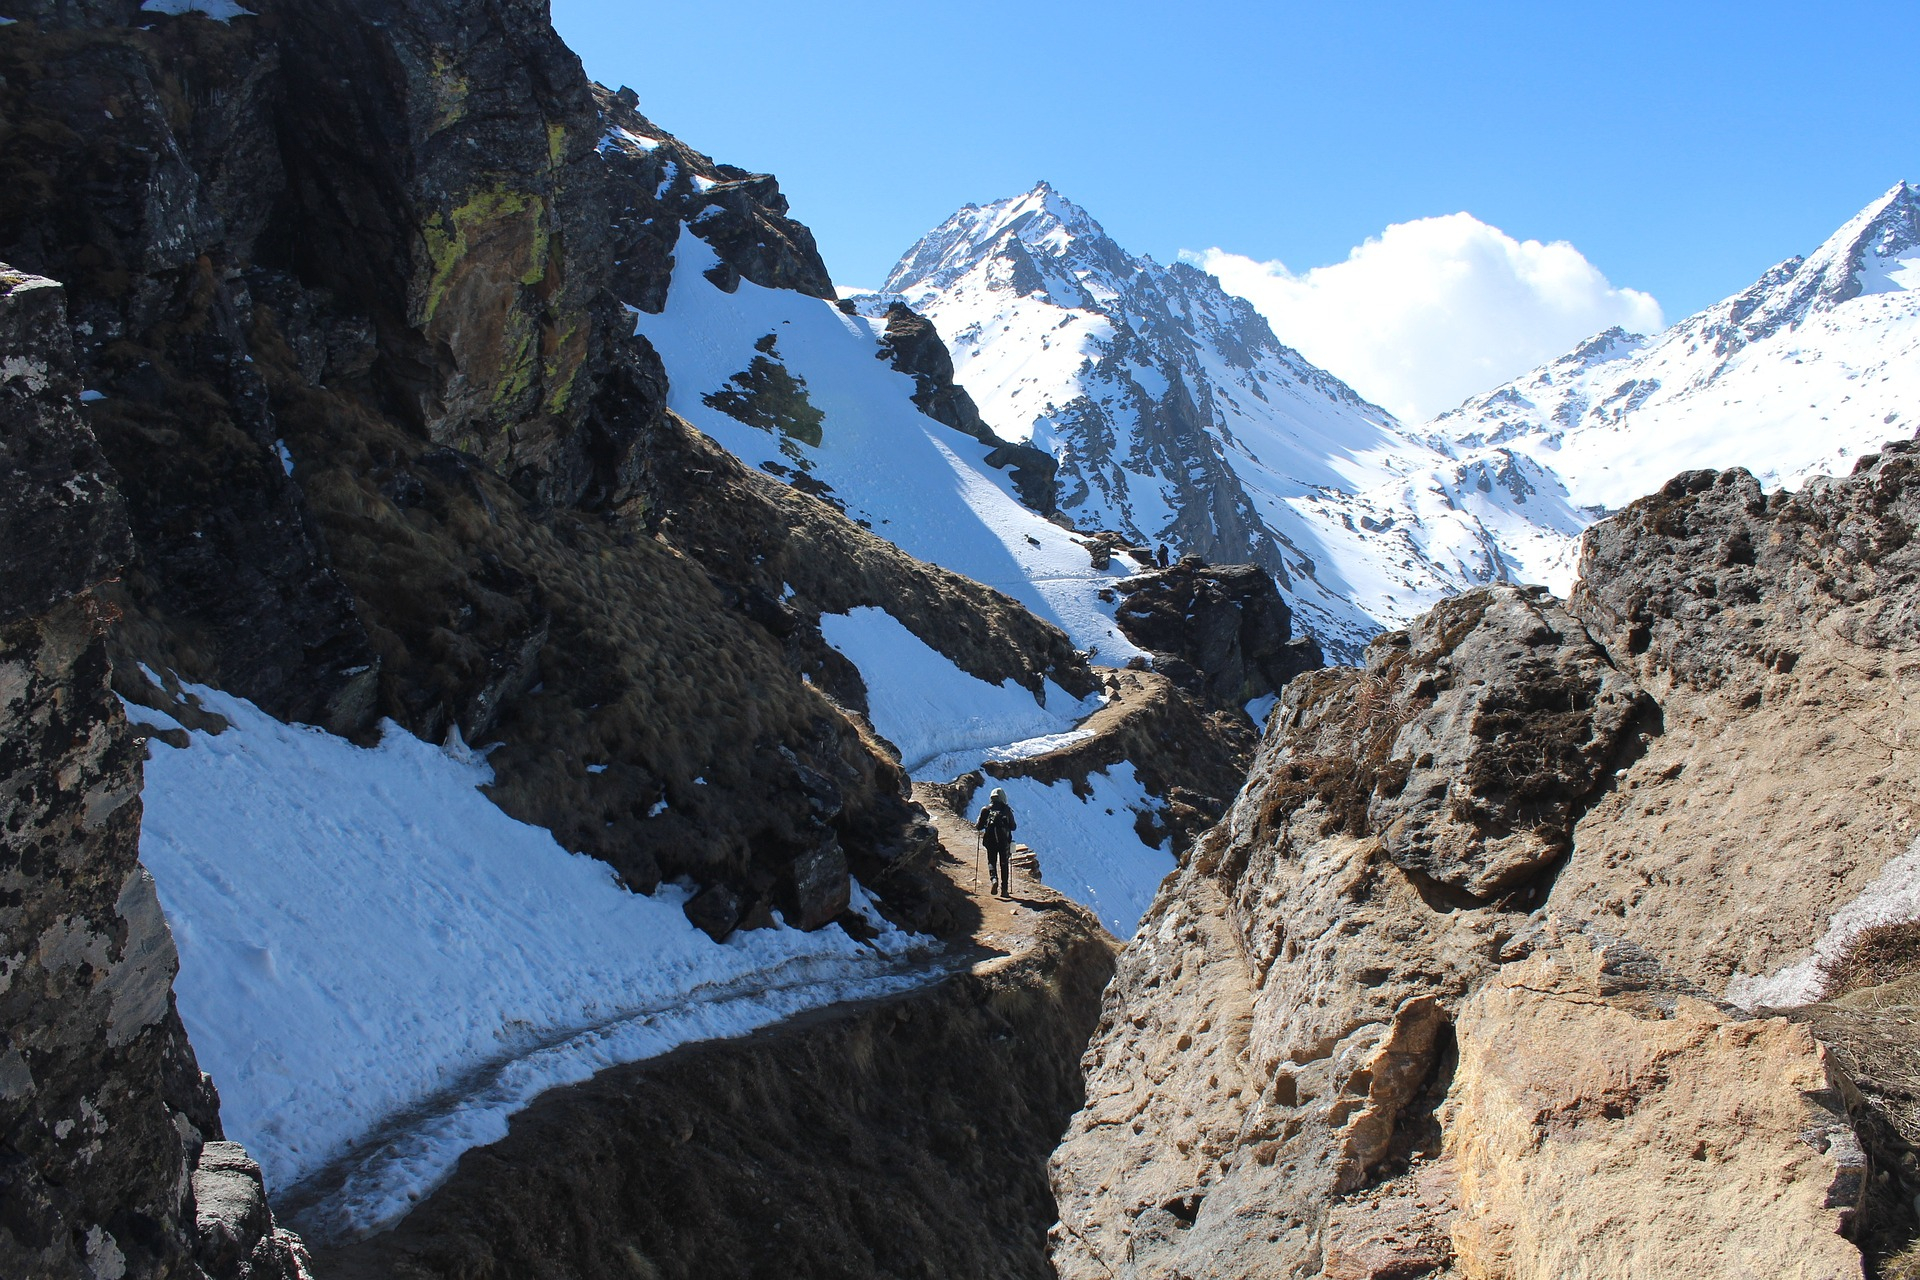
x=944, y=721
x=1797, y=376
x=378, y=966
x=916, y=483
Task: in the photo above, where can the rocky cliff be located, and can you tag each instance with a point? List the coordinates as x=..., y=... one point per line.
x=110, y=1158
x=1469, y=980
x=347, y=416
x=348, y=290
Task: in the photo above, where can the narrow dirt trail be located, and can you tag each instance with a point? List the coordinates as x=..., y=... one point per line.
x=1005, y=927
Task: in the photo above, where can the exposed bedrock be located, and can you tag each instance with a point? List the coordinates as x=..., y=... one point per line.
x=914, y=348
x=906, y=1138
x=1221, y=632
x=105, y=1119
x=1461, y=984
x=348, y=282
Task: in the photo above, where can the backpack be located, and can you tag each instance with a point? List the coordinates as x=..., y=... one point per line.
x=999, y=822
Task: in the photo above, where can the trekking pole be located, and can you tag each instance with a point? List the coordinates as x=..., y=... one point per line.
x=976, y=859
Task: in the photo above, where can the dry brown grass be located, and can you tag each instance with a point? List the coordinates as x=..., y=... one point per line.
x=1904, y=1265
x=644, y=669
x=1874, y=957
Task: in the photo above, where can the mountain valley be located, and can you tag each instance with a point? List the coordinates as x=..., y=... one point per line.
x=499, y=662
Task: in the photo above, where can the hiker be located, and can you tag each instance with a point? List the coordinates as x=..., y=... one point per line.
x=1163, y=555
x=996, y=825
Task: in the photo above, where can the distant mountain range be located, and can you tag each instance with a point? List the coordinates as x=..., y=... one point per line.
x=1178, y=418
x=1814, y=365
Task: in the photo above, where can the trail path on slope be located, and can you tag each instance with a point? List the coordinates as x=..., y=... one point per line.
x=346, y=1209
x=378, y=1182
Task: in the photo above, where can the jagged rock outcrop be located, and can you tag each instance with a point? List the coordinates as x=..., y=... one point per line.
x=1366, y=1029
x=105, y=1118
x=1595, y=1130
x=913, y=347
x=1223, y=631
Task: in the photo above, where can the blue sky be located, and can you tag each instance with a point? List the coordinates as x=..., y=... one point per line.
x=1681, y=147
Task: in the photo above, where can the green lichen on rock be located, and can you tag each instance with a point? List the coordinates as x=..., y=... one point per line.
x=765, y=395
x=484, y=214
x=566, y=354
x=517, y=369
x=450, y=90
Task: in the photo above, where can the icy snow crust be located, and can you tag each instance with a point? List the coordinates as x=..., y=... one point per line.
x=1798, y=376
x=1066, y=340
x=916, y=483
x=943, y=721
x=378, y=966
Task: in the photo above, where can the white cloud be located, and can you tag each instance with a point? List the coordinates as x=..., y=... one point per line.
x=1436, y=310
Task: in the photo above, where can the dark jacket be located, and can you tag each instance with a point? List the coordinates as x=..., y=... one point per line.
x=997, y=821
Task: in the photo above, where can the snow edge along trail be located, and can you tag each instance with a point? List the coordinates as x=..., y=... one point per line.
x=359, y=926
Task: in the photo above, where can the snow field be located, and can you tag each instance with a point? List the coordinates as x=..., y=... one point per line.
x=1088, y=847
x=916, y=483
x=370, y=948
x=944, y=721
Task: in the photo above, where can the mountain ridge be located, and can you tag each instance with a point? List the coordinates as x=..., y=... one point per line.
x=1828, y=340
x=1176, y=416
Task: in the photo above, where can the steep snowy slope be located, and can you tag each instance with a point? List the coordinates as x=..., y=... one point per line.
x=795, y=386
x=374, y=998
x=1178, y=418
x=1815, y=364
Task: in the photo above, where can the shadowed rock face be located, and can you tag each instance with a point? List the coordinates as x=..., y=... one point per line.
x=915, y=349
x=1458, y=961
x=350, y=282
x=1221, y=631
x=103, y=1111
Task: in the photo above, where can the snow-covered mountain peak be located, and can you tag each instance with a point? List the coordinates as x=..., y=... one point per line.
x=1040, y=240
x=1812, y=365
x=1879, y=251
x=1176, y=417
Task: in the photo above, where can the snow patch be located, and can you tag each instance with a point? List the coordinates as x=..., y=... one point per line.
x=921, y=485
x=378, y=966
x=218, y=10
x=1892, y=898
x=943, y=720
x=1089, y=848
